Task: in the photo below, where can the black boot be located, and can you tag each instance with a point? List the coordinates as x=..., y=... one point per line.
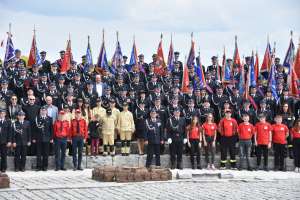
x=199, y=166
x=179, y=165
x=172, y=165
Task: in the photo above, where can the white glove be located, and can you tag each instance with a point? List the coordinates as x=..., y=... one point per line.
x=169, y=141
x=184, y=141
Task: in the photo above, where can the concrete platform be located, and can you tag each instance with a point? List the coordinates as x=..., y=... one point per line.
x=132, y=160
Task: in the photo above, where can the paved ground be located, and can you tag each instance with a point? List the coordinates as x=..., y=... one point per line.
x=78, y=185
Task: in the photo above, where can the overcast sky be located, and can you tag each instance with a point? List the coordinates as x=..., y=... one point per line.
x=214, y=23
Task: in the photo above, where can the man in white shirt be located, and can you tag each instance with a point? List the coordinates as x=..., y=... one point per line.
x=99, y=85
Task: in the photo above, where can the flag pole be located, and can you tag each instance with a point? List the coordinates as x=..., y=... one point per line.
x=34, y=30
x=103, y=35
x=9, y=30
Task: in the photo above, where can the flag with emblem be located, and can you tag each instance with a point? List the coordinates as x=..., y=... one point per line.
x=236, y=55
x=290, y=56
x=191, y=57
x=10, y=50
x=89, y=58
x=226, y=69
x=102, y=59
x=271, y=79
x=34, y=56
x=185, y=80
x=117, y=59
x=133, y=56
x=295, y=70
x=241, y=84
x=171, y=56
x=66, y=64
x=266, y=64
x=159, y=69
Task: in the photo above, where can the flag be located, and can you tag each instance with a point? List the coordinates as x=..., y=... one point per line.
x=10, y=51
x=265, y=66
x=89, y=58
x=171, y=56
x=34, y=56
x=133, y=57
x=102, y=59
x=241, y=85
x=226, y=69
x=236, y=55
x=66, y=64
x=160, y=53
x=201, y=75
x=200, y=72
x=252, y=77
x=271, y=78
x=185, y=80
x=191, y=57
x=117, y=58
x=256, y=66
x=289, y=57
x=293, y=84
x=160, y=57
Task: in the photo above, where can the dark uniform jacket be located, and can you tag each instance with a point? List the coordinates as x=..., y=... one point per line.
x=5, y=131
x=176, y=129
x=154, y=131
x=44, y=129
x=21, y=133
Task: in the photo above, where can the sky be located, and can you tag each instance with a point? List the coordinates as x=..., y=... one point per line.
x=214, y=25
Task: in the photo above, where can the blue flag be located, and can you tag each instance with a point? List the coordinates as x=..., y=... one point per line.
x=89, y=59
x=252, y=72
x=289, y=57
x=171, y=57
x=10, y=51
x=272, y=81
x=117, y=59
x=227, y=74
x=241, y=83
x=102, y=60
x=133, y=57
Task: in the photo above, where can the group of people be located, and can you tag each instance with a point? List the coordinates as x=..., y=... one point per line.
x=44, y=112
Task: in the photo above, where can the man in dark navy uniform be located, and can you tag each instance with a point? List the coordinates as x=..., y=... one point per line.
x=176, y=137
x=43, y=136
x=154, y=138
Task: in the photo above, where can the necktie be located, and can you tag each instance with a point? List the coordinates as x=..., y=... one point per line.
x=61, y=126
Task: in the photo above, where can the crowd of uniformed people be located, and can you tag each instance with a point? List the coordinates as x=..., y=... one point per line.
x=44, y=112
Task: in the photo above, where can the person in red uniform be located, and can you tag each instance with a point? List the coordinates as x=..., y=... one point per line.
x=263, y=140
x=280, y=132
x=209, y=135
x=193, y=132
x=61, y=129
x=295, y=135
x=79, y=135
x=228, y=129
x=246, y=131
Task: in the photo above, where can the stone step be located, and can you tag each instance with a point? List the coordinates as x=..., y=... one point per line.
x=132, y=160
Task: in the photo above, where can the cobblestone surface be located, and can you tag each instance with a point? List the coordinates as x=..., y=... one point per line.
x=78, y=185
